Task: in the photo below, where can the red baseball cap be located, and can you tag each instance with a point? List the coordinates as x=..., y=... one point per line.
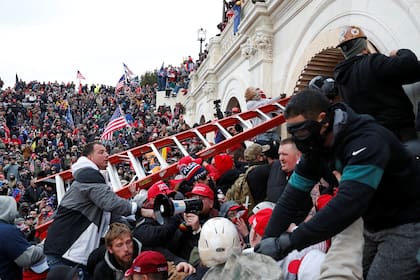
x=202, y=190
x=148, y=262
x=159, y=188
x=260, y=220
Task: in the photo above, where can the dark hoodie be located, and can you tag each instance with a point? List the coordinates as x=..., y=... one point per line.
x=83, y=214
x=105, y=266
x=379, y=183
x=15, y=250
x=372, y=84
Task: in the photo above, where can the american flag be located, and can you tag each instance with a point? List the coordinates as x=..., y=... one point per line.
x=127, y=70
x=80, y=76
x=120, y=84
x=116, y=122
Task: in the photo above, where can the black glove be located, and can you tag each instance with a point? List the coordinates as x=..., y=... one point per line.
x=309, y=167
x=275, y=247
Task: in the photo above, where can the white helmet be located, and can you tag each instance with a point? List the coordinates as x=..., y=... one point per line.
x=262, y=205
x=219, y=239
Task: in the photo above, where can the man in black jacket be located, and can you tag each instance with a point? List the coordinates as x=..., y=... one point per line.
x=121, y=249
x=372, y=83
x=379, y=183
x=157, y=237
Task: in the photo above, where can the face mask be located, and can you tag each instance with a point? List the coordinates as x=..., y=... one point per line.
x=306, y=135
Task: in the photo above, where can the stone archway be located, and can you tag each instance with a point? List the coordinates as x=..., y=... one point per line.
x=233, y=102
x=202, y=120
x=323, y=63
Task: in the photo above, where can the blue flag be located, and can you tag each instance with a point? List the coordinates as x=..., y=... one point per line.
x=69, y=118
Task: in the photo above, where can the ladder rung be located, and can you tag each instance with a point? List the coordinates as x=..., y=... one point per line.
x=243, y=122
x=224, y=132
x=261, y=113
x=180, y=146
x=202, y=138
x=162, y=162
x=136, y=165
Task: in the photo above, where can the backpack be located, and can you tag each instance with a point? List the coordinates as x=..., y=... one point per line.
x=240, y=190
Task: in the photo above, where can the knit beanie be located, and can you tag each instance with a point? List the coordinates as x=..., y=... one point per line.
x=192, y=171
x=223, y=163
x=353, y=47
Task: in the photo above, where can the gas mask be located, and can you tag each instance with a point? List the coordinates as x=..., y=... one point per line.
x=307, y=135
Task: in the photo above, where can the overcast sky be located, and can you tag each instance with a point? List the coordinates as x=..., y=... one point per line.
x=48, y=40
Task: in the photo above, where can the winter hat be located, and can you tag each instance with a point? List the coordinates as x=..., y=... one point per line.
x=260, y=220
x=148, y=262
x=187, y=160
x=223, y=163
x=226, y=206
x=159, y=188
x=193, y=171
x=352, y=41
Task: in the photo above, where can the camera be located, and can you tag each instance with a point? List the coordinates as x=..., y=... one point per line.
x=219, y=113
x=165, y=207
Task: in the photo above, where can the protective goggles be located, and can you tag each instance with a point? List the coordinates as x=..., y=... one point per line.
x=303, y=130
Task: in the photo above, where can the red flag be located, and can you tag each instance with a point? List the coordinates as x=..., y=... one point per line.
x=80, y=76
x=116, y=122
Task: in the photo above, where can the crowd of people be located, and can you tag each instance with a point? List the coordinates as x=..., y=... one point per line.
x=339, y=199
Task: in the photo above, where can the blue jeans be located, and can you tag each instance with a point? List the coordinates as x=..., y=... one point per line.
x=391, y=253
x=55, y=260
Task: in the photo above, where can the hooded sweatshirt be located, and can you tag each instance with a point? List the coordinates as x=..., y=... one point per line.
x=379, y=183
x=83, y=215
x=16, y=252
x=372, y=84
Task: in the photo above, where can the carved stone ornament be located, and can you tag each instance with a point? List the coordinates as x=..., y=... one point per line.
x=248, y=49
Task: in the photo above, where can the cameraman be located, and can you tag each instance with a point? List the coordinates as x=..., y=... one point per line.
x=219, y=113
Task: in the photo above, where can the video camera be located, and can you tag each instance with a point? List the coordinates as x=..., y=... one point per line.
x=165, y=207
x=219, y=113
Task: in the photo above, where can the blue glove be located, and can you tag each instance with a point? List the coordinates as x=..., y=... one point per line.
x=275, y=247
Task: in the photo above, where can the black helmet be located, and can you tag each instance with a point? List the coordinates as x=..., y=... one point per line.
x=413, y=146
x=326, y=85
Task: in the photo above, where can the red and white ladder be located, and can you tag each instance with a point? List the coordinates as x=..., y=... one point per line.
x=271, y=114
